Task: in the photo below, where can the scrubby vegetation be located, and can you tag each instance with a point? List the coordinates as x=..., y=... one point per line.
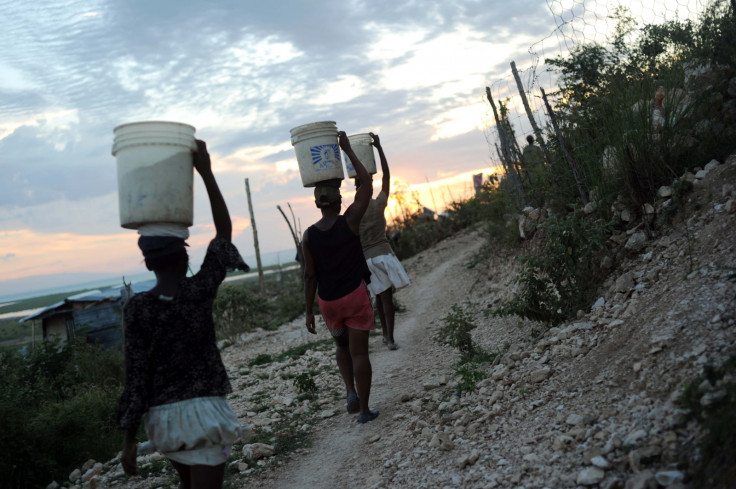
x=711, y=401
x=58, y=405
x=456, y=331
x=58, y=402
x=635, y=113
x=241, y=307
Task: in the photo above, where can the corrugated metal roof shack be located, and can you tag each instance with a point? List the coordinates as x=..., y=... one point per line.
x=96, y=315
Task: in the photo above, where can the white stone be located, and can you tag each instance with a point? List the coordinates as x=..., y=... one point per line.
x=634, y=437
x=95, y=470
x=53, y=485
x=730, y=206
x=600, y=462
x=432, y=384
x=75, y=475
x=712, y=397
x=625, y=282
x=257, y=451
x=701, y=175
x=327, y=413
x=636, y=242
x=669, y=477
x=540, y=375
x=590, y=476
x=711, y=165
x=500, y=372
x=643, y=480
x=574, y=419
x=664, y=191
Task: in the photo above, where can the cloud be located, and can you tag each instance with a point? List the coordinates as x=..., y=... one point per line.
x=243, y=74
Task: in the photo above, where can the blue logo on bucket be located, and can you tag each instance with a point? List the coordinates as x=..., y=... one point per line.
x=349, y=164
x=325, y=157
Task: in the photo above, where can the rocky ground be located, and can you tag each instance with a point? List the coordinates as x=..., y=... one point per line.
x=591, y=403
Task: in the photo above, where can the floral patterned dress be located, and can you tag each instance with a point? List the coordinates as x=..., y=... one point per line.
x=171, y=353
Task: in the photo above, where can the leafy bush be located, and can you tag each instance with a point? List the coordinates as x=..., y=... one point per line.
x=561, y=278
x=456, y=331
x=58, y=405
x=305, y=384
x=240, y=307
x=717, y=465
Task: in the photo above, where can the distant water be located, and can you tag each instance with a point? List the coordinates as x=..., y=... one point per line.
x=267, y=259
x=105, y=284
x=94, y=284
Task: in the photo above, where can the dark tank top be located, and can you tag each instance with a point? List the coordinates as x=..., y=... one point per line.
x=338, y=258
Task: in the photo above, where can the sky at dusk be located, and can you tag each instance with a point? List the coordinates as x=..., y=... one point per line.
x=243, y=73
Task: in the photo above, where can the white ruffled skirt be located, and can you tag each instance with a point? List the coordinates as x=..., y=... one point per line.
x=199, y=431
x=386, y=272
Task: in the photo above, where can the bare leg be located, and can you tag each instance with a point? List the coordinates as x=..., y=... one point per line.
x=382, y=318
x=388, y=313
x=361, y=366
x=184, y=475
x=345, y=361
x=207, y=476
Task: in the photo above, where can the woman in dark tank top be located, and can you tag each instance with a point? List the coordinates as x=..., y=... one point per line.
x=335, y=272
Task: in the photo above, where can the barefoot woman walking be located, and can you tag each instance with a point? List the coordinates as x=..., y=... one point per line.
x=387, y=274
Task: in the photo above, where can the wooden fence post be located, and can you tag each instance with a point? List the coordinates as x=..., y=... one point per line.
x=261, y=281
x=532, y=121
x=563, y=147
x=296, y=236
x=505, y=150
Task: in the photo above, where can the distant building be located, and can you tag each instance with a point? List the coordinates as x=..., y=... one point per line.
x=95, y=315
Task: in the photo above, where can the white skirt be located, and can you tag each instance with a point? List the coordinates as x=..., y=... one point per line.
x=197, y=431
x=386, y=272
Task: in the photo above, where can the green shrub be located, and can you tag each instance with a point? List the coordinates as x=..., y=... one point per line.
x=58, y=405
x=237, y=310
x=717, y=465
x=562, y=277
x=305, y=384
x=456, y=331
x=261, y=359
x=297, y=351
x=241, y=307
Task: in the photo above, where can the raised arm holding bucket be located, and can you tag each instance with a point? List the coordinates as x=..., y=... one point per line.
x=336, y=272
x=387, y=274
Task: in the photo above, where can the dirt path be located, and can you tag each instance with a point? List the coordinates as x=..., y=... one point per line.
x=437, y=283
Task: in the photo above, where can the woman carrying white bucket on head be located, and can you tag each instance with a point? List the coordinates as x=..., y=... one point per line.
x=387, y=274
x=174, y=375
x=335, y=272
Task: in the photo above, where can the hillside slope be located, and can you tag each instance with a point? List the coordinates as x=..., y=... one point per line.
x=589, y=403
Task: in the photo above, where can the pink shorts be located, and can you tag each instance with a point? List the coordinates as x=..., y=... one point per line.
x=353, y=310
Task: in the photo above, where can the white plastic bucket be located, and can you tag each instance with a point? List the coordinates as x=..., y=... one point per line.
x=317, y=152
x=155, y=173
x=363, y=149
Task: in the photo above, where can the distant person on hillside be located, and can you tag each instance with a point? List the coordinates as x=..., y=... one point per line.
x=173, y=370
x=533, y=157
x=387, y=274
x=336, y=272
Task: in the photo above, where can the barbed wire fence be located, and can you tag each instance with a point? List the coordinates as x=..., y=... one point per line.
x=515, y=103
